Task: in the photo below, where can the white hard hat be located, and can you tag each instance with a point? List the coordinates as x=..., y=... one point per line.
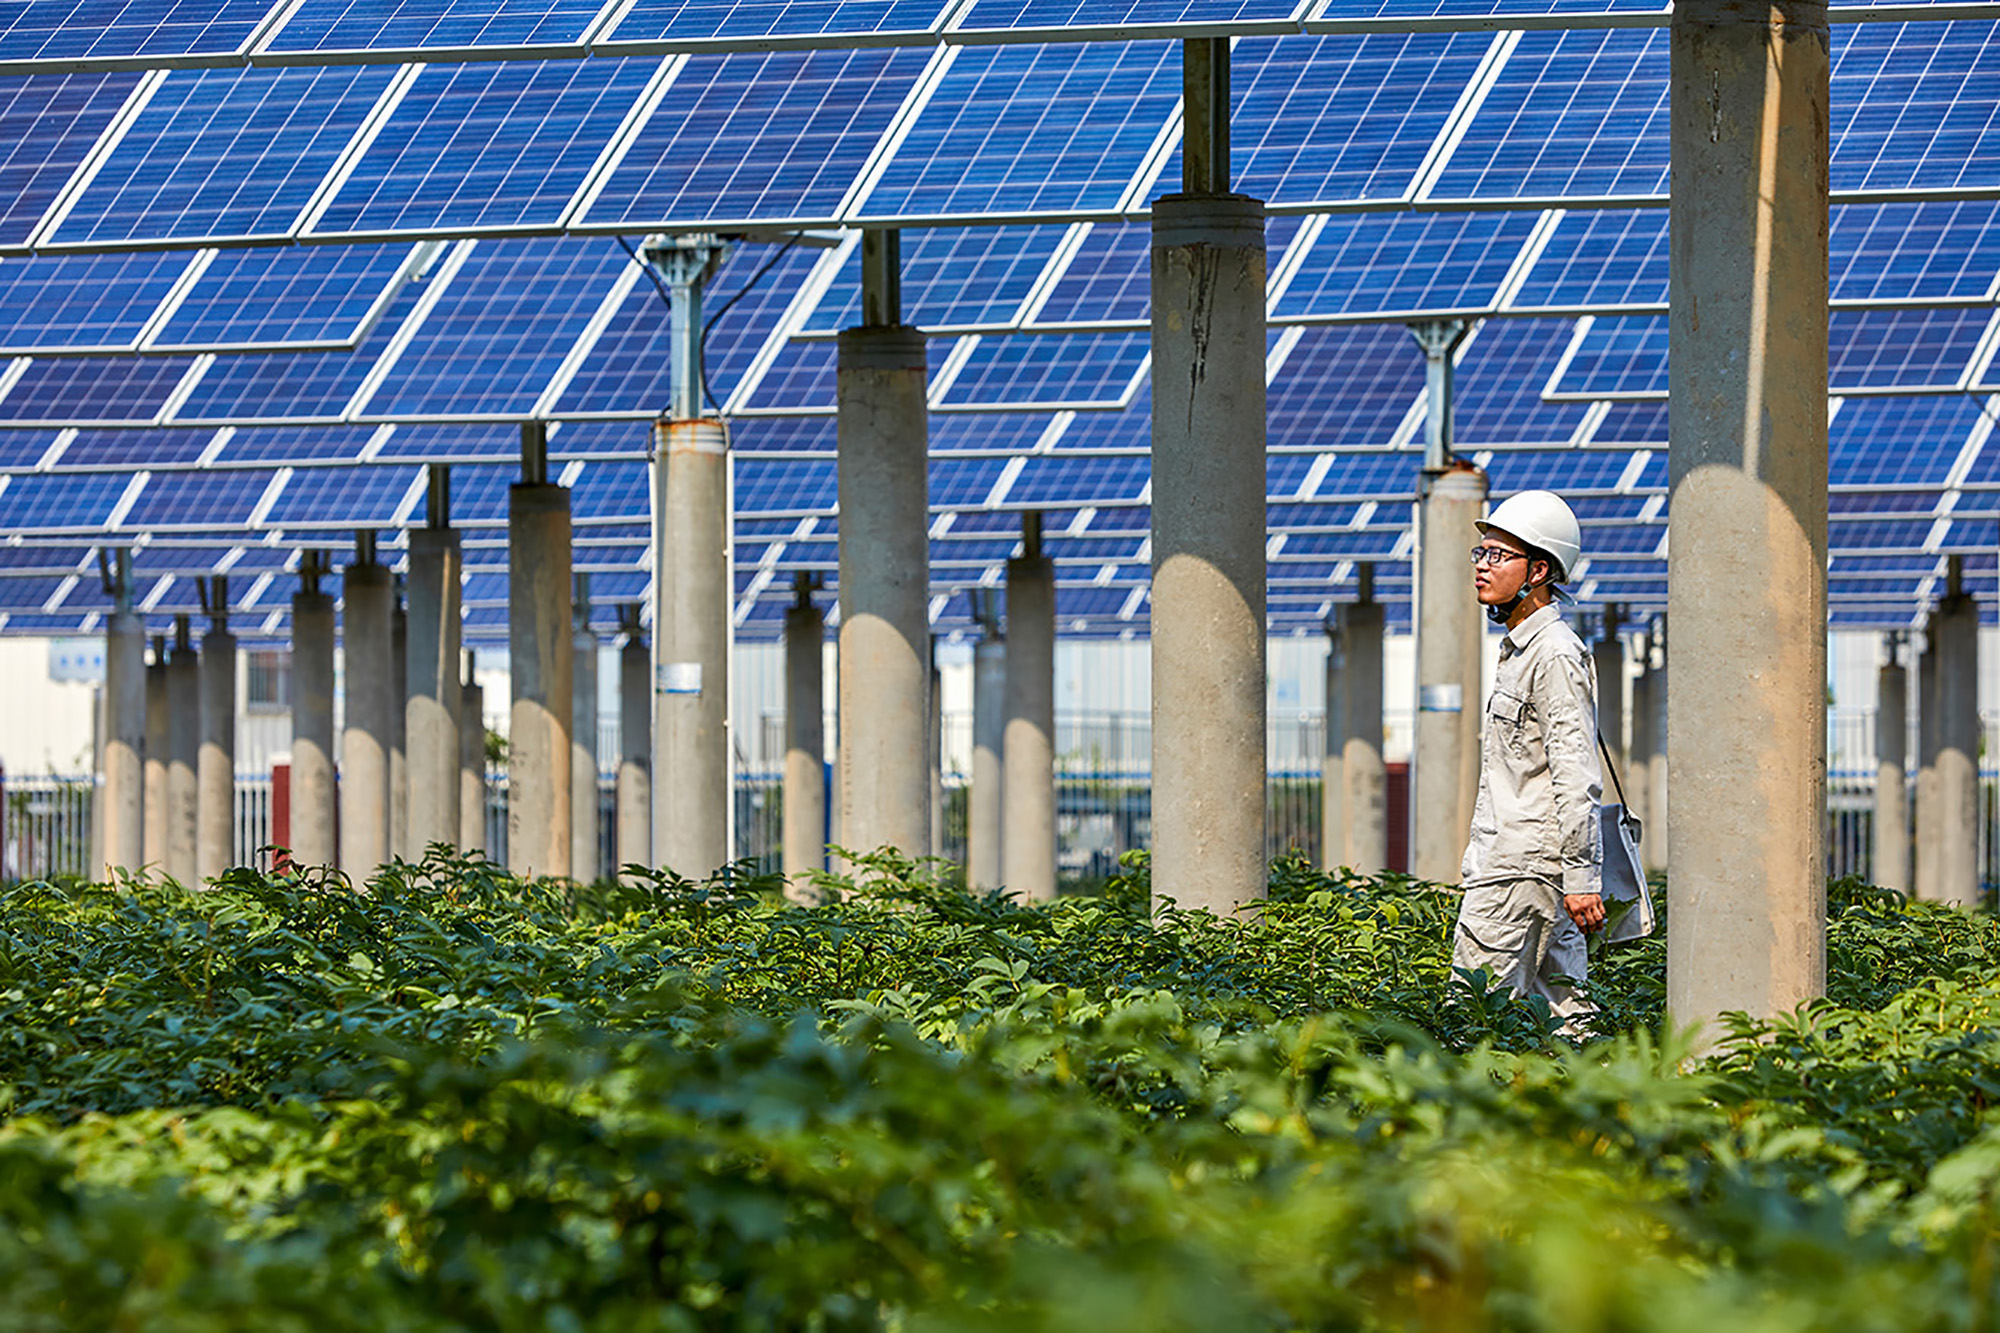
x=1543, y=521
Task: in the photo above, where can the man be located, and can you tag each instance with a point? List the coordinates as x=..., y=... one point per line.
x=1533, y=870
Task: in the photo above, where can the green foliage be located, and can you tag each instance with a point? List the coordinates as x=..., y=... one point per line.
x=461, y=1101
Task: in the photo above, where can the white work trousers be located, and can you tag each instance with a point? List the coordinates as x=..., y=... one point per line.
x=1519, y=932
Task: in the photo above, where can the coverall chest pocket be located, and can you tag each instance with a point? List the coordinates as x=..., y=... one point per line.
x=1513, y=719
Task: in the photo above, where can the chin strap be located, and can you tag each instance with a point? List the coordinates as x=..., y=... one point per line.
x=1499, y=614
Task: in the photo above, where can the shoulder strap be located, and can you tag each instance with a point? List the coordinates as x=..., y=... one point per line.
x=1612, y=769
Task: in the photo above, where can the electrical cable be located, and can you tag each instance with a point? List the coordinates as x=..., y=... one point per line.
x=723, y=309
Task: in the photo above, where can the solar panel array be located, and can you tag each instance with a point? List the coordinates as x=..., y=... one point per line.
x=260, y=263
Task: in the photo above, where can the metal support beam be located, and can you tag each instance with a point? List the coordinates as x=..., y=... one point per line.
x=685, y=264
x=1205, y=115
x=437, y=506
x=534, y=453
x=1440, y=339
x=881, y=277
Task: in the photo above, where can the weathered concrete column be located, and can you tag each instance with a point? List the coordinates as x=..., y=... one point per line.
x=183, y=757
x=367, y=663
x=154, y=814
x=123, y=844
x=1638, y=771
x=1333, y=752
x=542, y=661
x=1929, y=839
x=934, y=754
x=1890, y=842
x=1366, y=804
x=635, y=743
x=399, y=742
x=313, y=800
x=1746, y=719
x=885, y=678
x=1653, y=849
x=215, y=800
x=984, y=801
x=583, y=818
x=1451, y=625
x=805, y=743
x=691, y=647
x=1028, y=823
x=472, y=767
x=1957, y=629
x=1208, y=271
x=1609, y=655
x=434, y=695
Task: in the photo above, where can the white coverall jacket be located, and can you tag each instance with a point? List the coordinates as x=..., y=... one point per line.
x=1535, y=834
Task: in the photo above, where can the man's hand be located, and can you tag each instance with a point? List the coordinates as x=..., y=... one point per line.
x=1586, y=909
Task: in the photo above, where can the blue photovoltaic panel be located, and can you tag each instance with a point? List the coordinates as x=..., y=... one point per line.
x=287, y=294
x=1620, y=354
x=1344, y=386
x=478, y=494
x=23, y=449
x=135, y=449
x=598, y=439
x=1915, y=105
x=1130, y=429
x=236, y=152
x=285, y=444
x=82, y=300
x=48, y=123
x=1338, y=118
x=951, y=275
x=962, y=481
x=1866, y=536
x=293, y=385
x=952, y=432
x=1572, y=114
x=631, y=365
x=765, y=486
x=1936, y=250
x=1568, y=470
x=613, y=491
x=439, y=444
x=1422, y=9
x=62, y=500
x=1497, y=390
x=511, y=315
x=1901, y=348
x=1634, y=423
x=1109, y=278
x=1614, y=257
x=368, y=25
x=1407, y=262
x=1050, y=370
x=72, y=29
x=1370, y=477
x=27, y=594
x=759, y=136
x=1121, y=13
x=1033, y=128
x=783, y=435
x=488, y=145
x=695, y=20
x=1841, y=504
x=363, y=497
x=802, y=377
x=94, y=389
x=200, y=500
x=1107, y=479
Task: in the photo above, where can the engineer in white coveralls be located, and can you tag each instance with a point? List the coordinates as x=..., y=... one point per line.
x=1533, y=869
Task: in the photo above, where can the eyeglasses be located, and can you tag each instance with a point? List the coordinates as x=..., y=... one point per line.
x=1495, y=555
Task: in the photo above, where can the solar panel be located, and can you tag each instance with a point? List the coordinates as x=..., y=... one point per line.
x=48, y=124
x=997, y=14
x=764, y=486
x=1915, y=105
x=216, y=153
x=77, y=501
x=1497, y=388
x=66, y=29
x=1922, y=251
x=364, y=25
x=320, y=296
x=771, y=136
x=198, y=500
x=84, y=302
x=1617, y=355
x=1344, y=387
x=1902, y=348
x=93, y=389
x=951, y=276
x=344, y=498
x=493, y=144
x=1614, y=257
x=1050, y=370
x=280, y=444
x=691, y=22
x=1406, y=262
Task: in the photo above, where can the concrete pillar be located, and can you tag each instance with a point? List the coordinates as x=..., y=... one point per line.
x=583, y=817
x=691, y=647
x=1333, y=753
x=123, y=844
x=1451, y=627
x=313, y=799
x=154, y=813
x=885, y=678
x=1609, y=655
x=934, y=753
x=433, y=693
x=472, y=768
x=215, y=802
x=399, y=704
x=367, y=663
x=541, y=656
x=1208, y=270
x=1028, y=822
x=805, y=744
x=1654, y=847
x=1957, y=630
x=1929, y=839
x=183, y=757
x=1366, y=803
x=1890, y=842
x=1638, y=771
x=1746, y=571
x=984, y=801
x=635, y=740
